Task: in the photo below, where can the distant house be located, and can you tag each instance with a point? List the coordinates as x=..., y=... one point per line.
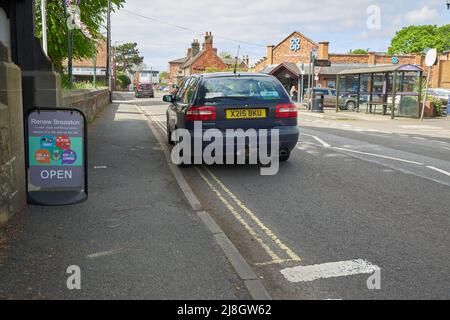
x=83, y=69
x=197, y=61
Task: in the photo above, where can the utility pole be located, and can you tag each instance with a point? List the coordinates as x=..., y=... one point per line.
x=108, y=49
x=69, y=45
x=44, y=26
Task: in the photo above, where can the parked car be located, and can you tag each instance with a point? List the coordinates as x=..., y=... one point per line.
x=441, y=94
x=329, y=96
x=226, y=101
x=144, y=90
x=347, y=101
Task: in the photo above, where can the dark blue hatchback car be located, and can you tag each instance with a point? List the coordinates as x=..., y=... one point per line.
x=234, y=101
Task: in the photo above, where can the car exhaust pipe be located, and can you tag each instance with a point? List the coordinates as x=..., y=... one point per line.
x=284, y=152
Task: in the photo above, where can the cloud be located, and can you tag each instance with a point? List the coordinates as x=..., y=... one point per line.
x=425, y=14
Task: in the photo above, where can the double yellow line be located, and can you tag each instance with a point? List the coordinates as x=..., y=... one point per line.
x=272, y=237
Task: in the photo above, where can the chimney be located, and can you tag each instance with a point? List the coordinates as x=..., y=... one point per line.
x=189, y=52
x=195, y=47
x=208, y=41
x=270, y=54
x=247, y=61
x=323, y=51
x=372, y=58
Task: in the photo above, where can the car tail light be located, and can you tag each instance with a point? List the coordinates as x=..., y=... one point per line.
x=287, y=110
x=201, y=114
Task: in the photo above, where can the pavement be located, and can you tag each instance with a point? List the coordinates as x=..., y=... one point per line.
x=357, y=199
x=360, y=211
x=135, y=238
x=431, y=127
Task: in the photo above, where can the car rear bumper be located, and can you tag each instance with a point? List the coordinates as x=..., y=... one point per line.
x=144, y=93
x=288, y=139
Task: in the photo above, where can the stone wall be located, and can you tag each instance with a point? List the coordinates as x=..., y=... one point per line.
x=12, y=162
x=90, y=101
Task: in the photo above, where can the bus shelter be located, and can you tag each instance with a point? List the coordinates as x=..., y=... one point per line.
x=388, y=89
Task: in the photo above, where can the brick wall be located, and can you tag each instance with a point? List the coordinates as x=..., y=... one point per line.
x=91, y=102
x=209, y=59
x=283, y=53
x=101, y=58
x=174, y=69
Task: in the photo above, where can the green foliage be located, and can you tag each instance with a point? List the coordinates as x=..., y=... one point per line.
x=124, y=80
x=164, y=75
x=359, y=51
x=226, y=55
x=93, y=15
x=414, y=39
x=437, y=104
x=127, y=55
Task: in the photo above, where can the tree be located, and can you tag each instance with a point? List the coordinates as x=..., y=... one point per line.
x=414, y=39
x=92, y=14
x=226, y=55
x=124, y=80
x=164, y=75
x=358, y=51
x=127, y=56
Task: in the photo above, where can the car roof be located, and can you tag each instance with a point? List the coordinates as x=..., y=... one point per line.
x=231, y=74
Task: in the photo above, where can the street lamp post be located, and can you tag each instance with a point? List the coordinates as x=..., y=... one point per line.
x=44, y=26
x=108, y=49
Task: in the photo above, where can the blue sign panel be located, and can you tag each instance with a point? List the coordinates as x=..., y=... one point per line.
x=295, y=44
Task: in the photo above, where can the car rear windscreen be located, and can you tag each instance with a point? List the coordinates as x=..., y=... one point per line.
x=264, y=89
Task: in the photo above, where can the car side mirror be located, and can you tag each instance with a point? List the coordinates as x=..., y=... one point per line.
x=168, y=98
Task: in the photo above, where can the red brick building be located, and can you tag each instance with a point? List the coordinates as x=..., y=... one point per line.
x=199, y=60
x=287, y=59
x=83, y=69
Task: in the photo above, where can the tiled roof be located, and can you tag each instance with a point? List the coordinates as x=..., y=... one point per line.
x=180, y=60
x=190, y=61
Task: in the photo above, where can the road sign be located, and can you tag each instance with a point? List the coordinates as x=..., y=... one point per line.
x=431, y=57
x=314, y=53
x=323, y=63
x=56, y=156
x=317, y=70
x=430, y=60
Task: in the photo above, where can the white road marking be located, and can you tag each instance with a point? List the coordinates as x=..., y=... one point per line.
x=239, y=218
x=379, y=156
x=329, y=270
x=323, y=143
x=105, y=253
x=253, y=216
x=100, y=167
x=439, y=170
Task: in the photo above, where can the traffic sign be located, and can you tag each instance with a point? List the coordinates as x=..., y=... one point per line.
x=323, y=63
x=431, y=57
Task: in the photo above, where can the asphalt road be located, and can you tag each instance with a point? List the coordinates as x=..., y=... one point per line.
x=362, y=198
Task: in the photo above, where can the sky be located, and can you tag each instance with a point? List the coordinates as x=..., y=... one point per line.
x=164, y=29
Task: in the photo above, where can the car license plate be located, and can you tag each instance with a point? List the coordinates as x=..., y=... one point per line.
x=246, y=113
